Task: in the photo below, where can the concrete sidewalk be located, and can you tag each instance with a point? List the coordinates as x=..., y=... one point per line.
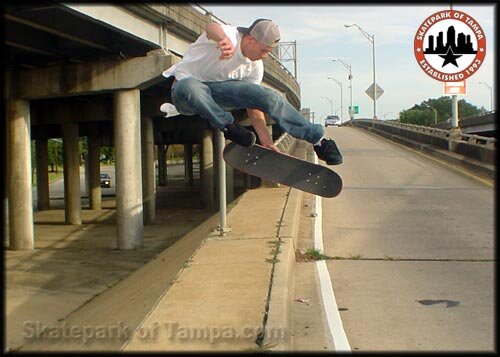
x=203, y=292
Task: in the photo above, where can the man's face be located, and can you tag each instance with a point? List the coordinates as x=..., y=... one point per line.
x=255, y=50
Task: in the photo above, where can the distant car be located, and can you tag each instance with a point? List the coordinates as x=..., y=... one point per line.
x=332, y=120
x=105, y=180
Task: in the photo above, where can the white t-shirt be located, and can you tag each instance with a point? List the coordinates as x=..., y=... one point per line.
x=202, y=62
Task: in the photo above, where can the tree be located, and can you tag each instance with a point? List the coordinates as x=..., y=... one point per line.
x=109, y=154
x=421, y=114
x=55, y=154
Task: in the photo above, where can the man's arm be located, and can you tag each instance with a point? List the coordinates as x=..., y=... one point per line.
x=215, y=32
x=259, y=124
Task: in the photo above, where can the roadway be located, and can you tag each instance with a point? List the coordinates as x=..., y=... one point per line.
x=56, y=188
x=412, y=242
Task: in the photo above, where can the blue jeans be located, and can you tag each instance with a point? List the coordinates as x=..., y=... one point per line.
x=212, y=100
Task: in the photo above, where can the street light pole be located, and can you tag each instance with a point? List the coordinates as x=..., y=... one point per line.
x=348, y=67
x=435, y=113
x=341, y=96
x=491, y=94
x=370, y=38
x=331, y=104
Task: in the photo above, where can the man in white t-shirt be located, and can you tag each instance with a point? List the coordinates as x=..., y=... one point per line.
x=222, y=70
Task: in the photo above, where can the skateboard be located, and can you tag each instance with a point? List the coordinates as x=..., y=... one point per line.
x=282, y=168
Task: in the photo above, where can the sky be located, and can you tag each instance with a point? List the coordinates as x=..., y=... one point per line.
x=319, y=32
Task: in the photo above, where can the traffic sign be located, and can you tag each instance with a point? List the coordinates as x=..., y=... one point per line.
x=354, y=109
x=378, y=91
x=455, y=88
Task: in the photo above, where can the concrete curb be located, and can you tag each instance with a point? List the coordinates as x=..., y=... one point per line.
x=282, y=292
x=278, y=328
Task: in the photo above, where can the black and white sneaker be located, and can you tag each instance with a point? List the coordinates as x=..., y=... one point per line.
x=239, y=135
x=329, y=152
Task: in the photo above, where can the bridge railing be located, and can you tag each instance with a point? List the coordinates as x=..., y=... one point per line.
x=476, y=147
x=476, y=119
x=470, y=138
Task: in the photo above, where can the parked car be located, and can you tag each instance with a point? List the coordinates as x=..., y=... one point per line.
x=332, y=120
x=105, y=180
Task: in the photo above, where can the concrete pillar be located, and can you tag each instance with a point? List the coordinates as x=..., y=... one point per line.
x=42, y=174
x=127, y=134
x=4, y=179
x=86, y=186
x=188, y=164
x=207, y=170
x=94, y=168
x=148, y=171
x=162, y=165
x=71, y=163
x=20, y=203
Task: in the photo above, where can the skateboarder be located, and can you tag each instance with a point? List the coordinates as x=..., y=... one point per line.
x=222, y=70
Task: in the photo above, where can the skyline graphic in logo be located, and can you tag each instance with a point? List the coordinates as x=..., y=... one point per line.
x=450, y=46
x=454, y=47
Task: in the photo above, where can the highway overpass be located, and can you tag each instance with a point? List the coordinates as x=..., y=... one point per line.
x=94, y=70
x=483, y=124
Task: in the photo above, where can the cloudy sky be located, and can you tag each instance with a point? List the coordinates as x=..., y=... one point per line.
x=321, y=36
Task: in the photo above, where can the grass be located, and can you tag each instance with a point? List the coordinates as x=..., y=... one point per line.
x=53, y=175
x=311, y=254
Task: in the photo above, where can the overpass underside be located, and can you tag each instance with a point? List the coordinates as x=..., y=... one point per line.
x=113, y=104
x=71, y=79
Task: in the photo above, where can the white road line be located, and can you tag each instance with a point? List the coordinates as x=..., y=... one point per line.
x=340, y=342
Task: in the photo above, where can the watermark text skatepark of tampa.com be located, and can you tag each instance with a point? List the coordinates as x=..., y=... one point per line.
x=169, y=330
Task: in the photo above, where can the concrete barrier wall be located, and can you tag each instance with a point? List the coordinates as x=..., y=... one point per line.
x=482, y=149
x=473, y=120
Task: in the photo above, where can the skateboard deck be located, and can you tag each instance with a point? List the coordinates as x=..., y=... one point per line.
x=282, y=168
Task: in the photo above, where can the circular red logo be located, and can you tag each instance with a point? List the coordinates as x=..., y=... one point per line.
x=450, y=46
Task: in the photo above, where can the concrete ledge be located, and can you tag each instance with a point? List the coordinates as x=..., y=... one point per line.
x=126, y=303
x=223, y=292
x=281, y=297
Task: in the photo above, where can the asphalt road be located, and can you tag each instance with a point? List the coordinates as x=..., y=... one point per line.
x=413, y=247
x=56, y=188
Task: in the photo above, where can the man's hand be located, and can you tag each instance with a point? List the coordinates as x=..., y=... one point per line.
x=215, y=32
x=267, y=142
x=259, y=124
x=226, y=48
